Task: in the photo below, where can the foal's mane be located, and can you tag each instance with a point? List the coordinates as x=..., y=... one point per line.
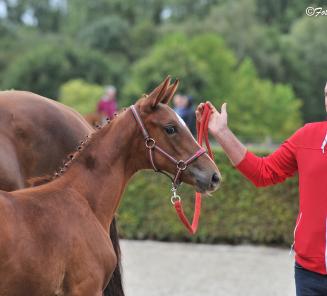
x=73, y=156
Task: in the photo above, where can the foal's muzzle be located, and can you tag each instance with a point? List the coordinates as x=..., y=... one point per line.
x=205, y=182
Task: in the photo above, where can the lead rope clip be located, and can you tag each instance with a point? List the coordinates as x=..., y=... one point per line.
x=175, y=197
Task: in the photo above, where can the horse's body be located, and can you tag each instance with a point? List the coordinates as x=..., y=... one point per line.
x=53, y=238
x=36, y=135
x=45, y=243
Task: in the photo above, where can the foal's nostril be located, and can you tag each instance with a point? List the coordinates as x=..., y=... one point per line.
x=215, y=179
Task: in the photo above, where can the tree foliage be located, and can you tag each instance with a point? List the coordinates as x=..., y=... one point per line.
x=109, y=34
x=182, y=58
x=133, y=44
x=44, y=69
x=208, y=70
x=274, y=107
x=80, y=95
x=306, y=62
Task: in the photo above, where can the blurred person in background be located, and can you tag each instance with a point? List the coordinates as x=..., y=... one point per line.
x=183, y=106
x=304, y=153
x=107, y=105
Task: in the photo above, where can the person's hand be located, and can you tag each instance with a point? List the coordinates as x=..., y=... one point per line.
x=218, y=120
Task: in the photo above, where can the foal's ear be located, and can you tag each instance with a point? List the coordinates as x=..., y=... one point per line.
x=159, y=92
x=170, y=92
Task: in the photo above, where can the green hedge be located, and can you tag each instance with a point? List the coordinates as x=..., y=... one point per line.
x=237, y=213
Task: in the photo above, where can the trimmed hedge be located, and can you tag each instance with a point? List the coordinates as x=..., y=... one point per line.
x=237, y=213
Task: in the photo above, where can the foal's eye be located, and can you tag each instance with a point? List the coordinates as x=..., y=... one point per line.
x=170, y=130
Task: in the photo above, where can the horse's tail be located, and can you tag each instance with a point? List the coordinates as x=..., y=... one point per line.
x=115, y=286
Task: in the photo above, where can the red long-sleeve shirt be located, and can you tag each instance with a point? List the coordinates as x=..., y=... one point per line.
x=304, y=153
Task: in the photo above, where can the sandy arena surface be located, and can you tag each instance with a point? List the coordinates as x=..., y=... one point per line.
x=178, y=269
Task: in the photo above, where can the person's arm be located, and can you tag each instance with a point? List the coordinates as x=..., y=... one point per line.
x=262, y=171
x=232, y=146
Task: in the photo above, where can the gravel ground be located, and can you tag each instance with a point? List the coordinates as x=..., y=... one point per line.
x=178, y=269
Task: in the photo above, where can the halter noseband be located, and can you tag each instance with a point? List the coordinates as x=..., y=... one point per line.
x=150, y=144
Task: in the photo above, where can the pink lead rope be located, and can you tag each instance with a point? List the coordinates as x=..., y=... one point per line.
x=202, y=131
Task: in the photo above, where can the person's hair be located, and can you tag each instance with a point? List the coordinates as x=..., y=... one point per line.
x=110, y=88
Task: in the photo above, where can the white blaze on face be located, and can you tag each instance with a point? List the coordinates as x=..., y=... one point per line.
x=181, y=120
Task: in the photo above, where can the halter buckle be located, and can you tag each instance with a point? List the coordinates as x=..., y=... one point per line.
x=181, y=165
x=150, y=143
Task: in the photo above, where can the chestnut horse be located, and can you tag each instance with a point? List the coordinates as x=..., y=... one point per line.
x=36, y=134
x=53, y=237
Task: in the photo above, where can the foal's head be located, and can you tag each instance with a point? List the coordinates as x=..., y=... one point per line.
x=172, y=135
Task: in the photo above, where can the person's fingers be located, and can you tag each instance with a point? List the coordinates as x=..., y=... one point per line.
x=198, y=115
x=199, y=111
x=211, y=106
x=224, y=108
x=200, y=107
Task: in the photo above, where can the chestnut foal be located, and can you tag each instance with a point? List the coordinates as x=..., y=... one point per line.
x=32, y=128
x=54, y=237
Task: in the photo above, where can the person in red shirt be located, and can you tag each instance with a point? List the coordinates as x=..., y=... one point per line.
x=304, y=153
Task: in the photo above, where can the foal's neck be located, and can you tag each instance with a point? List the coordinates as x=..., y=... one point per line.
x=105, y=165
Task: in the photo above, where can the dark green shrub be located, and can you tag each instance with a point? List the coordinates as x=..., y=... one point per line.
x=237, y=213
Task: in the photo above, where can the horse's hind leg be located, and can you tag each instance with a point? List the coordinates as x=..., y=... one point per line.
x=10, y=174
